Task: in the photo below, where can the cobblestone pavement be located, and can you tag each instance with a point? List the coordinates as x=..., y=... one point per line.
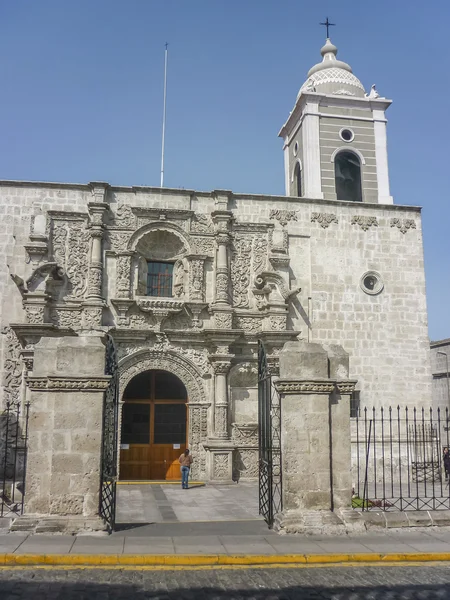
x=141, y=503
x=338, y=583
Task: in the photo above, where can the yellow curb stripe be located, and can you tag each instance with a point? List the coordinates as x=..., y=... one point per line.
x=195, y=560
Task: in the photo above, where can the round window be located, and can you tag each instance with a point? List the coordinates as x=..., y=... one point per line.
x=347, y=135
x=371, y=283
x=295, y=148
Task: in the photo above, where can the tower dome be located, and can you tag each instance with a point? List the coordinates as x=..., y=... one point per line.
x=332, y=76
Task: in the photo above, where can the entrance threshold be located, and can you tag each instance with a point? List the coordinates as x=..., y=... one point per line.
x=161, y=482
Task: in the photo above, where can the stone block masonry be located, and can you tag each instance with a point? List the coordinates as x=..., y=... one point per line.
x=74, y=261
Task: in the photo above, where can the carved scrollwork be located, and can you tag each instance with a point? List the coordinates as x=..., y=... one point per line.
x=202, y=223
x=124, y=216
x=246, y=465
x=123, y=275
x=277, y=322
x=324, y=219
x=283, y=216
x=403, y=224
x=166, y=360
x=240, y=270
x=119, y=240
x=70, y=243
x=365, y=222
x=245, y=433
x=249, y=324
x=223, y=320
x=12, y=369
x=221, y=465
x=204, y=245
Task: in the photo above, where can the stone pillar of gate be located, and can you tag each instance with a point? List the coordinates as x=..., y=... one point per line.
x=65, y=432
x=315, y=437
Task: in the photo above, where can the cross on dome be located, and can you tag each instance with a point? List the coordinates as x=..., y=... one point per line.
x=327, y=24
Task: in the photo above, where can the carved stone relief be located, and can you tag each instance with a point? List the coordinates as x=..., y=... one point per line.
x=196, y=277
x=204, y=245
x=240, y=270
x=249, y=324
x=12, y=369
x=124, y=216
x=220, y=465
x=245, y=434
x=259, y=254
x=198, y=433
x=123, y=275
x=403, y=224
x=164, y=361
x=202, y=223
x=277, y=322
x=365, y=222
x=66, y=317
x=118, y=240
x=324, y=219
x=245, y=464
x=223, y=320
x=70, y=244
x=283, y=216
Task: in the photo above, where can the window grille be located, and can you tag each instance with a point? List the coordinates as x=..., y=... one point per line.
x=159, y=279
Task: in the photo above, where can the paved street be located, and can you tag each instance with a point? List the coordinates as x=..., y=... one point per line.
x=338, y=583
x=155, y=503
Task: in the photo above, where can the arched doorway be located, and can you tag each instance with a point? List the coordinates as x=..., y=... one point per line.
x=154, y=427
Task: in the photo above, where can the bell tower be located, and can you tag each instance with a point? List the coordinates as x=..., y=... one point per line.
x=335, y=144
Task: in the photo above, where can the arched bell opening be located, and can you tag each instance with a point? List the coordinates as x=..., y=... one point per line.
x=347, y=172
x=154, y=430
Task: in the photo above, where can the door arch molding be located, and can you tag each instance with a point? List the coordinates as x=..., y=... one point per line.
x=146, y=360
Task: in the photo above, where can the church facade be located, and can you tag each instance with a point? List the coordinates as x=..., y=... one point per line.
x=187, y=282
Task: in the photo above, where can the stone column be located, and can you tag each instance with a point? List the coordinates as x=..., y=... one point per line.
x=221, y=369
x=65, y=431
x=315, y=437
x=221, y=306
x=219, y=446
x=93, y=303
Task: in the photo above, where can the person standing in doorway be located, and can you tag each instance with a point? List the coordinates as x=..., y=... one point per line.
x=185, y=461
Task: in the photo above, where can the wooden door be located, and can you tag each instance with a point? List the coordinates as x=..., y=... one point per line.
x=156, y=433
x=168, y=438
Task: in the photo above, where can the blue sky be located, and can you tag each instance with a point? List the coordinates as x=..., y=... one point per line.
x=81, y=96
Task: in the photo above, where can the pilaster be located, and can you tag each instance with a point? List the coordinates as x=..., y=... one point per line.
x=94, y=302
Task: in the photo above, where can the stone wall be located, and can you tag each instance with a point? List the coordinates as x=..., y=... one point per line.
x=323, y=247
x=441, y=397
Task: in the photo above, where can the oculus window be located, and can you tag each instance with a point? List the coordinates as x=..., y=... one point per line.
x=159, y=279
x=347, y=173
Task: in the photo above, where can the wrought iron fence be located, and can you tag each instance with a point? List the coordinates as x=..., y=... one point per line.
x=399, y=459
x=13, y=458
x=269, y=430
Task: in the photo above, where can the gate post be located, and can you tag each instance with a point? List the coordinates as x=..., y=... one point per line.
x=315, y=436
x=65, y=433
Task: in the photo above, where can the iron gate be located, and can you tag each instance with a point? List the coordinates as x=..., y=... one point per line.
x=269, y=423
x=109, y=438
x=13, y=458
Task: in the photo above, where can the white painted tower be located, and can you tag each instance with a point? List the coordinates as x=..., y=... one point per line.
x=335, y=145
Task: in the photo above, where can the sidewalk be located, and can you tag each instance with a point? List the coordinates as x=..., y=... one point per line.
x=232, y=543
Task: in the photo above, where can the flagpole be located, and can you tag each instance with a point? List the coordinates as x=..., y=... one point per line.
x=164, y=116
